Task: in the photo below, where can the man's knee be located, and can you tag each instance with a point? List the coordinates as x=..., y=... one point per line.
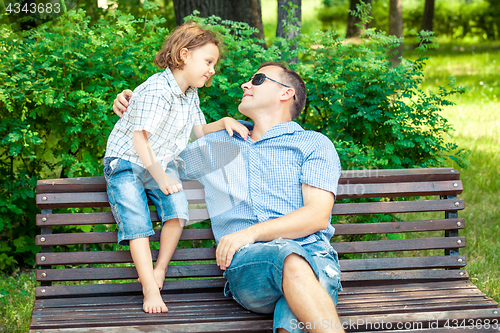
x=296, y=266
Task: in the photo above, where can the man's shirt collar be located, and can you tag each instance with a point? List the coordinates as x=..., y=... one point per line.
x=277, y=130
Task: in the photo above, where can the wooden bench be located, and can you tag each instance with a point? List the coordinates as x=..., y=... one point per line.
x=394, y=279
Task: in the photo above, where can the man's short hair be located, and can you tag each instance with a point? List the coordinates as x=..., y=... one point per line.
x=295, y=81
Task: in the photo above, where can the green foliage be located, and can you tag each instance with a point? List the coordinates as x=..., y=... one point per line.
x=456, y=18
x=58, y=83
x=375, y=114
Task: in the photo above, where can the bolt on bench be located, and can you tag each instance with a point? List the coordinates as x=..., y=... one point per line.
x=412, y=290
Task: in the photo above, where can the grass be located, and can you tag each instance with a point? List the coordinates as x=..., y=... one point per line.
x=17, y=294
x=476, y=119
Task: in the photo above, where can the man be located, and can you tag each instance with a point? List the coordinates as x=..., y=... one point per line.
x=270, y=205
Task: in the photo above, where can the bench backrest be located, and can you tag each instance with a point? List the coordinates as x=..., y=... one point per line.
x=375, y=253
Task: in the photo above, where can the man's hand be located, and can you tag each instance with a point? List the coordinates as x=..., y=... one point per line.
x=121, y=102
x=231, y=243
x=231, y=125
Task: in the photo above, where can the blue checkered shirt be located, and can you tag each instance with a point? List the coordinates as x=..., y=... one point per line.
x=251, y=182
x=159, y=107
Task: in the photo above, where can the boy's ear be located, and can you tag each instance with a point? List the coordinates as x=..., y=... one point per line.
x=184, y=53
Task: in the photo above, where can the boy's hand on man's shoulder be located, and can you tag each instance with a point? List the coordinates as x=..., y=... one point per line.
x=231, y=125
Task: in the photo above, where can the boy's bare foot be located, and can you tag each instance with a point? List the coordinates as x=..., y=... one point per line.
x=153, y=302
x=159, y=275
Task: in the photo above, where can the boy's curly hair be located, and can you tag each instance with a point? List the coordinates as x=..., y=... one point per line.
x=189, y=36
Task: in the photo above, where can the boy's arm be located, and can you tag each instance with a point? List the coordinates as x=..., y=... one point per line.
x=225, y=123
x=141, y=144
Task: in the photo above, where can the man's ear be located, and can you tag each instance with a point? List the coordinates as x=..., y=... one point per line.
x=184, y=53
x=288, y=94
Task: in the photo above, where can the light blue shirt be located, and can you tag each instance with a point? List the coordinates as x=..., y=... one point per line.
x=250, y=182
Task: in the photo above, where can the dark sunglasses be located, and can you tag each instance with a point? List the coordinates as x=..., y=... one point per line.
x=259, y=78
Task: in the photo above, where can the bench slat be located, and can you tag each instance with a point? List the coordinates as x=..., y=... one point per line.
x=95, y=199
x=384, y=190
x=398, y=207
x=346, y=191
x=110, y=237
x=226, y=306
x=398, y=175
x=257, y=326
x=48, y=220
x=398, y=227
x=103, y=218
x=202, y=214
x=440, y=330
x=348, y=278
x=425, y=317
x=109, y=257
x=399, y=245
x=98, y=184
x=388, y=313
x=211, y=270
x=381, y=264
x=347, y=295
x=76, y=200
x=123, y=273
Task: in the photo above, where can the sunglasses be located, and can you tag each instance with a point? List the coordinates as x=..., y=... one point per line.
x=259, y=78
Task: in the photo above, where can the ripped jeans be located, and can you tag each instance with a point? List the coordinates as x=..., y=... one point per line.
x=254, y=278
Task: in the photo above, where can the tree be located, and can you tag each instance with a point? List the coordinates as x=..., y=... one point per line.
x=428, y=19
x=248, y=11
x=352, y=29
x=283, y=6
x=396, y=27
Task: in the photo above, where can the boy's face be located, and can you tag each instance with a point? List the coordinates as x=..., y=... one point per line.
x=199, y=65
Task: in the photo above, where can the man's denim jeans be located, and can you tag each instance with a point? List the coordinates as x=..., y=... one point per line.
x=254, y=278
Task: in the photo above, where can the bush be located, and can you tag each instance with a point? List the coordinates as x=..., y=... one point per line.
x=58, y=83
x=455, y=19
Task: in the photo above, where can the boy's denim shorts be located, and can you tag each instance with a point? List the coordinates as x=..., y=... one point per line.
x=254, y=277
x=129, y=186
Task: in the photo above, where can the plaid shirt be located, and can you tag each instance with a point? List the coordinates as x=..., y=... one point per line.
x=159, y=107
x=251, y=182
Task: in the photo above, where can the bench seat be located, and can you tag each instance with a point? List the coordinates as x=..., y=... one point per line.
x=414, y=282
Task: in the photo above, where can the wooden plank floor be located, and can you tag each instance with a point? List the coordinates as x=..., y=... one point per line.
x=426, y=303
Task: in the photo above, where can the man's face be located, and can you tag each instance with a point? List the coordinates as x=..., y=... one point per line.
x=263, y=96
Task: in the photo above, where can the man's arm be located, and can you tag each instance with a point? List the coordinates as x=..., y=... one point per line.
x=121, y=102
x=307, y=220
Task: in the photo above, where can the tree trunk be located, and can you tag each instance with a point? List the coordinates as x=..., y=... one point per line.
x=396, y=28
x=248, y=11
x=352, y=29
x=428, y=19
x=282, y=16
